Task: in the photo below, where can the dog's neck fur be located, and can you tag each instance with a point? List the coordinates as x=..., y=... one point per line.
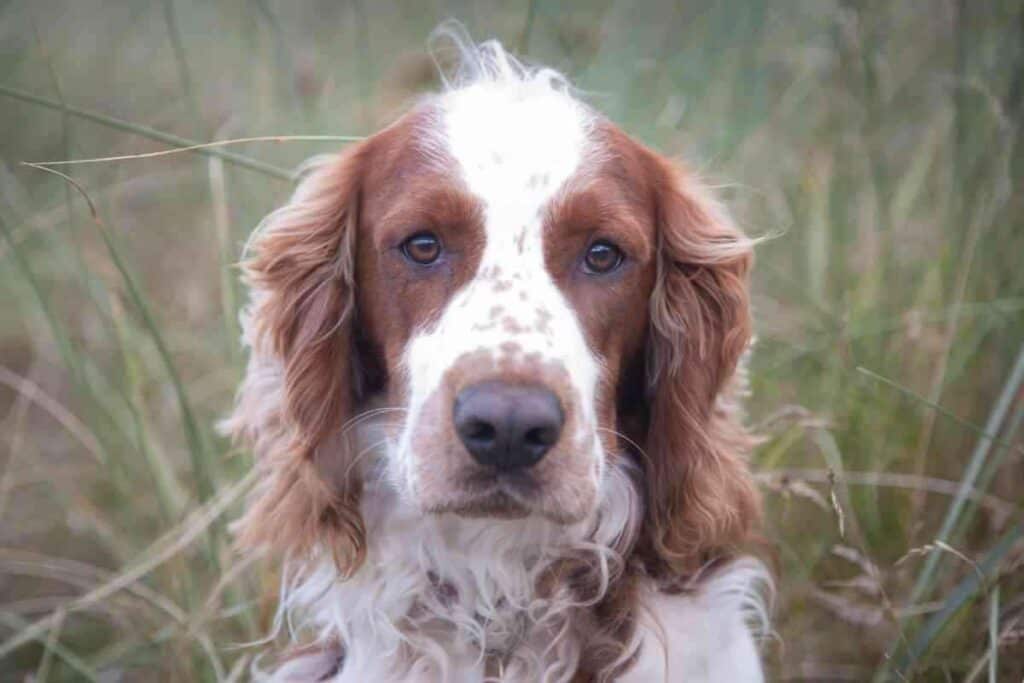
x=449, y=598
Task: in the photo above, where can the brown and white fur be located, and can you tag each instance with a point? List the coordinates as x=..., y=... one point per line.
x=616, y=556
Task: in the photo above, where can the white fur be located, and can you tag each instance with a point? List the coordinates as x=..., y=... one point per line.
x=708, y=634
x=488, y=569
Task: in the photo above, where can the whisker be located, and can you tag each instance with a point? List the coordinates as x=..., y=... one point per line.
x=365, y=415
x=630, y=441
x=361, y=454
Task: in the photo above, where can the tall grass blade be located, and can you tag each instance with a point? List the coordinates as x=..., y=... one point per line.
x=151, y=133
x=167, y=547
x=983, y=431
x=181, y=61
x=222, y=228
x=970, y=475
x=993, y=636
x=198, y=451
x=958, y=597
x=74, y=662
x=169, y=495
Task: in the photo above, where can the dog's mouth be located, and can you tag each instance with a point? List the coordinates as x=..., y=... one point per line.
x=497, y=505
x=487, y=492
x=501, y=495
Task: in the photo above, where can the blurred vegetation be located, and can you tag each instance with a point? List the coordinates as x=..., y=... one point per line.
x=877, y=143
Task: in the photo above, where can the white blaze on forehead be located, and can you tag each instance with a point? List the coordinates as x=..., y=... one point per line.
x=515, y=141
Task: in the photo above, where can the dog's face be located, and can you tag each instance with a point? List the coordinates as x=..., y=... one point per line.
x=525, y=295
x=503, y=272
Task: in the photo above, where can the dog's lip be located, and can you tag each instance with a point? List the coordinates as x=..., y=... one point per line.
x=496, y=504
x=518, y=485
x=491, y=493
x=501, y=495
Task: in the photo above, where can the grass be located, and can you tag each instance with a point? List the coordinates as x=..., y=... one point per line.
x=880, y=142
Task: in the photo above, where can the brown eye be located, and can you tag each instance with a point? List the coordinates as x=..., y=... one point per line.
x=423, y=248
x=602, y=257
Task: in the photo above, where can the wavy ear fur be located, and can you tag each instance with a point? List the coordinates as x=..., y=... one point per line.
x=298, y=391
x=701, y=497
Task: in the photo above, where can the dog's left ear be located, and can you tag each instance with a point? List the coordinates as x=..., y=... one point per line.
x=701, y=498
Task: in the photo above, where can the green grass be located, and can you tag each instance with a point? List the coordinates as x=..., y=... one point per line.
x=878, y=142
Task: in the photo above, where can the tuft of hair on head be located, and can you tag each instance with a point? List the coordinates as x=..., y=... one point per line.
x=463, y=63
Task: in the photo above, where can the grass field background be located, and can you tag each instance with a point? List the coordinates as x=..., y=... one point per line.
x=877, y=143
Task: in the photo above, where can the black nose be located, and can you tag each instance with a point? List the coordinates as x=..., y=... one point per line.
x=508, y=426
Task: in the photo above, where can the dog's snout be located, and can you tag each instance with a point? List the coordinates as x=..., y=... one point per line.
x=507, y=426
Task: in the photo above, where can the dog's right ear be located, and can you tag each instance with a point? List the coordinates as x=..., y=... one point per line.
x=298, y=391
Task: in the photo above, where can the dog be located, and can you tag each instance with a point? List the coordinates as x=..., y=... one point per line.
x=493, y=392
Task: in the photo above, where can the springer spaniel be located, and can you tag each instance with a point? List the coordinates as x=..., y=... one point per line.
x=492, y=393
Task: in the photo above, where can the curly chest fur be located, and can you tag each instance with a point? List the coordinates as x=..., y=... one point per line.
x=445, y=598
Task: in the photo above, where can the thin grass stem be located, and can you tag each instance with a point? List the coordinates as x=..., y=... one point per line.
x=151, y=133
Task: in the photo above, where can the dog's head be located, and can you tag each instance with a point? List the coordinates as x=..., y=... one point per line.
x=519, y=297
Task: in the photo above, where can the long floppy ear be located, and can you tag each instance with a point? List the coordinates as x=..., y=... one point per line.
x=701, y=498
x=299, y=387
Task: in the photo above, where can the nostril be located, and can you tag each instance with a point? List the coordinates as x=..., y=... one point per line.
x=541, y=436
x=480, y=431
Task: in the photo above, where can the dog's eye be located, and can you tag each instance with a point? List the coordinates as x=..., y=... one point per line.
x=602, y=257
x=423, y=248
